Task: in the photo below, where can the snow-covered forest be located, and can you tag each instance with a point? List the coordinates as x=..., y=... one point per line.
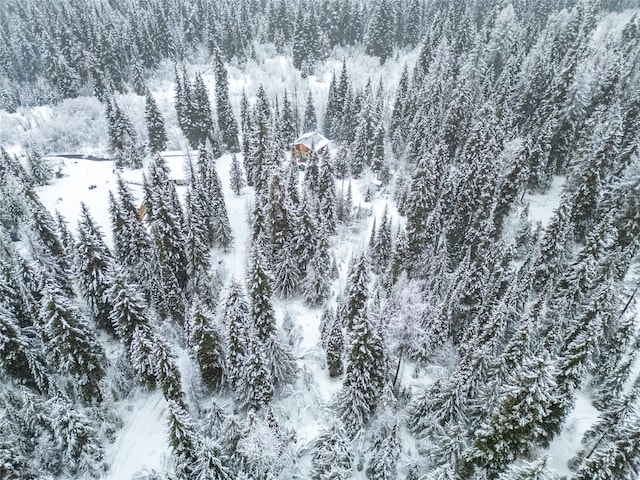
x=443, y=287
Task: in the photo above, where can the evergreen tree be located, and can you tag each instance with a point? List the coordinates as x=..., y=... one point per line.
x=39, y=168
x=166, y=369
x=332, y=112
x=141, y=353
x=236, y=318
x=14, y=348
x=305, y=235
x=332, y=454
x=379, y=40
x=122, y=137
x=93, y=261
x=260, y=291
x=357, y=292
x=335, y=346
x=315, y=288
x=287, y=127
x=286, y=271
x=207, y=345
x=70, y=345
x=155, y=125
x=327, y=196
x=164, y=213
x=517, y=422
x=382, y=247
x=226, y=120
x=236, y=176
x=128, y=308
x=210, y=463
x=76, y=438
x=383, y=463
x=364, y=380
x=131, y=241
x=309, y=122
x=254, y=387
x=183, y=435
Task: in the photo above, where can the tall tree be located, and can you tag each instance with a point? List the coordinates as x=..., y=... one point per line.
x=155, y=125
x=93, y=261
x=226, y=120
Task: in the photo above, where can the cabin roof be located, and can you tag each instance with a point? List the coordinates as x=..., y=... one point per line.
x=315, y=139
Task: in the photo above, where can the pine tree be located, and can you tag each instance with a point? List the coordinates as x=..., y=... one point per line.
x=122, y=137
x=332, y=112
x=155, y=125
x=226, y=120
x=14, y=349
x=210, y=463
x=260, y=291
x=236, y=176
x=383, y=463
x=197, y=240
x=236, y=318
x=141, y=353
x=516, y=422
x=254, y=387
x=332, y=455
x=76, y=439
x=207, y=345
x=382, y=248
x=286, y=271
x=364, y=380
x=305, y=235
x=309, y=122
x=183, y=434
x=287, y=127
x=379, y=39
x=164, y=213
x=40, y=170
x=128, y=309
x=93, y=261
x=335, y=347
x=315, y=287
x=357, y=292
x=132, y=243
x=70, y=345
x=327, y=197
x=166, y=369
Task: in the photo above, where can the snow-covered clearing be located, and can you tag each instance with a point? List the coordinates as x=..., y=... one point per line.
x=142, y=443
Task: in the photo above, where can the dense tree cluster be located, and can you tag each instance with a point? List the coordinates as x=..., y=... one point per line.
x=503, y=321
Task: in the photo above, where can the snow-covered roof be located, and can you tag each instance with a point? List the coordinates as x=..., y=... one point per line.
x=315, y=139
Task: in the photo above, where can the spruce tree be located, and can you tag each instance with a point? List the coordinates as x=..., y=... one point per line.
x=309, y=122
x=155, y=125
x=335, y=346
x=39, y=168
x=236, y=318
x=364, y=380
x=517, y=421
x=226, y=120
x=254, y=386
x=236, y=176
x=332, y=455
x=379, y=40
x=93, y=262
x=122, y=137
x=207, y=345
x=70, y=344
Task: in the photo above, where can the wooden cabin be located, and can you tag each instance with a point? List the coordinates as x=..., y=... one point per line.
x=311, y=140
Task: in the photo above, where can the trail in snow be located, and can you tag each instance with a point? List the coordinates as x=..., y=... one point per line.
x=142, y=444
